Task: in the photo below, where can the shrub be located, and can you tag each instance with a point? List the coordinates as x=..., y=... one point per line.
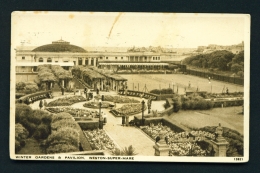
x=64, y=135
x=186, y=105
x=61, y=116
x=20, y=86
x=127, y=151
x=162, y=91
x=176, y=106
x=21, y=111
x=235, y=139
x=31, y=119
x=42, y=131
x=20, y=135
x=63, y=123
x=20, y=132
x=130, y=151
x=61, y=148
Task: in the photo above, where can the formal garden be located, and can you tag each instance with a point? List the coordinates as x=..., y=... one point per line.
x=71, y=123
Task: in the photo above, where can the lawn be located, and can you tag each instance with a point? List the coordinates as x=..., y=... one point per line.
x=228, y=117
x=157, y=81
x=31, y=147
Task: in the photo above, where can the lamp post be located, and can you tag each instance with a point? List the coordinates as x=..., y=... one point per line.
x=143, y=111
x=100, y=116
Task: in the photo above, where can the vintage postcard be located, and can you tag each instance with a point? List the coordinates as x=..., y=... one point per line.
x=101, y=86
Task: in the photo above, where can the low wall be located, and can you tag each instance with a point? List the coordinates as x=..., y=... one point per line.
x=93, y=152
x=88, y=125
x=175, y=126
x=83, y=140
x=26, y=77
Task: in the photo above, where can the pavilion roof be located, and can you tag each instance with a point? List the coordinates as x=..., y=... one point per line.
x=91, y=73
x=109, y=74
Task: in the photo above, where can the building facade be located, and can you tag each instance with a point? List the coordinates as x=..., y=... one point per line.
x=67, y=55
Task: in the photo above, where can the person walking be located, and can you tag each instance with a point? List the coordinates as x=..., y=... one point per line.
x=123, y=119
x=41, y=104
x=62, y=90
x=127, y=120
x=105, y=118
x=45, y=103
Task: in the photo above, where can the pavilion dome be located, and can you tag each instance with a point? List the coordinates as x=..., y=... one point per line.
x=59, y=46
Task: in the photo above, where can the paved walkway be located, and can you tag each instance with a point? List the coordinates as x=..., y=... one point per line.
x=122, y=136
x=126, y=136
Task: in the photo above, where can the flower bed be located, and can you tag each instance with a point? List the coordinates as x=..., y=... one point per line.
x=129, y=109
x=75, y=112
x=235, y=139
x=99, y=140
x=186, y=149
x=181, y=144
x=120, y=99
x=66, y=101
x=95, y=105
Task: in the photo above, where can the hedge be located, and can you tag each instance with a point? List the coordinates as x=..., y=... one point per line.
x=21, y=135
x=37, y=122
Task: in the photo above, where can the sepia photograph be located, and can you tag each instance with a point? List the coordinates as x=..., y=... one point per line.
x=110, y=86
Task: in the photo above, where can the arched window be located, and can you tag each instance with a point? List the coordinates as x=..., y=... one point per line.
x=40, y=59
x=49, y=60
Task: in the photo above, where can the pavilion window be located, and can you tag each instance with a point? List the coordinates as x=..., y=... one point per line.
x=49, y=60
x=115, y=57
x=23, y=58
x=40, y=59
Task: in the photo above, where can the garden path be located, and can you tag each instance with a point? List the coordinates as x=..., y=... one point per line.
x=125, y=136
x=122, y=136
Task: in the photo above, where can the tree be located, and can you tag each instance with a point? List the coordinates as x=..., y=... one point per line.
x=239, y=58
x=236, y=68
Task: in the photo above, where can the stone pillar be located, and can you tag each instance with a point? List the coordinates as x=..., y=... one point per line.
x=89, y=61
x=112, y=84
x=220, y=144
x=94, y=64
x=83, y=61
x=160, y=147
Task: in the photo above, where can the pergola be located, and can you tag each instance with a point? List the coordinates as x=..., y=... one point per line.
x=92, y=78
x=112, y=80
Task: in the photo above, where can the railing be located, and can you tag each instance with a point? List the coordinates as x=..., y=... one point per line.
x=85, y=85
x=234, y=80
x=138, y=94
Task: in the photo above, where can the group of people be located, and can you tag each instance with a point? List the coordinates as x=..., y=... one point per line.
x=125, y=120
x=43, y=104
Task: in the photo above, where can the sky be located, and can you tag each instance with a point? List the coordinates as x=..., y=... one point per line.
x=93, y=29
